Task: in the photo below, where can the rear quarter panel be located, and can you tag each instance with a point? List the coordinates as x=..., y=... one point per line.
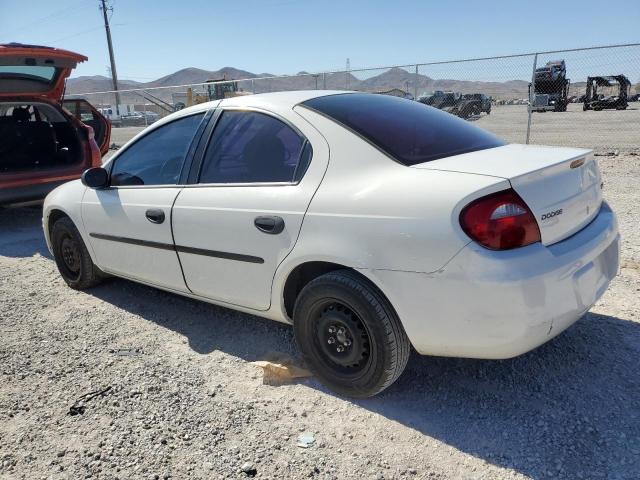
x=373, y=213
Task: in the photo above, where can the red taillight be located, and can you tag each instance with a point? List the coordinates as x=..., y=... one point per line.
x=500, y=221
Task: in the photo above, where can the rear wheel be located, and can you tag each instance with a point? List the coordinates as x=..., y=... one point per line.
x=71, y=256
x=349, y=335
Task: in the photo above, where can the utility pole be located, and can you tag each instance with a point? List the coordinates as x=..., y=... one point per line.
x=347, y=74
x=114, y=75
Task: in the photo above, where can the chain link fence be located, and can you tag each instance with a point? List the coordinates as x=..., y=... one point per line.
x=580, y=97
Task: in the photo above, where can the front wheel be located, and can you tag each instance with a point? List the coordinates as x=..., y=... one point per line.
x=72, y=258
x=349, y=334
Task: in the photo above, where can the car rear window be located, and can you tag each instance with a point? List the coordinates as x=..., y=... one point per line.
x=40, y=73
x=406, y=130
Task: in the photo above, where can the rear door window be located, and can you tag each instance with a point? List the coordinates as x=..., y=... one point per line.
x=252, y=147
x=406, y=130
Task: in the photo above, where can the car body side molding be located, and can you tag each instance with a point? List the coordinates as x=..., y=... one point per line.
x=181, y=249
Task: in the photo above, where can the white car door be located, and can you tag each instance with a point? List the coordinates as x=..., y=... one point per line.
x=129, y=223
x=234, y=227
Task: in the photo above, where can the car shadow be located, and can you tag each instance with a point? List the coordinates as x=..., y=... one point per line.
x=21, y=232
x=569, y=408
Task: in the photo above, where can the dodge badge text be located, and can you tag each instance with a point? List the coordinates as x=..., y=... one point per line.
x=555, y=213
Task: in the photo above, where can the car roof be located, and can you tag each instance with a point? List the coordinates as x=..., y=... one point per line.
x=268, y=101
x=279, y=99
x=273, y=101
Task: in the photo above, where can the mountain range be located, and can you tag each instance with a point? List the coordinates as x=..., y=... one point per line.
x=387, y=80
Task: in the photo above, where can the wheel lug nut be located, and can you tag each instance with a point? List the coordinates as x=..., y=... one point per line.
x=332, y=329
x=347, y=343
x=340, y=348
x=331, y=340
x=341, y=330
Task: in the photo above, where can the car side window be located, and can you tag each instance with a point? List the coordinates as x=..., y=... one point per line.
x=253, y=147
x=157, y=158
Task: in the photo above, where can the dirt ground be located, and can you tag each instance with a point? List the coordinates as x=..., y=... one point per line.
x=180, y=398
x=603, y=131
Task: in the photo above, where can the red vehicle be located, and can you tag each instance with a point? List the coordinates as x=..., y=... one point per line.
x=44, y=140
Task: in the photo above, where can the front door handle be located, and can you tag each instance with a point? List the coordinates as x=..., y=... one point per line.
x=272, y=225
x=155, y=215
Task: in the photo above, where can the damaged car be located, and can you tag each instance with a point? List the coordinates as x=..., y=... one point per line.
x=618, y=85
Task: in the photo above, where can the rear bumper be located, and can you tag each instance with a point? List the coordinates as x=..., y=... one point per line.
x=489, y=304
x=27, y=193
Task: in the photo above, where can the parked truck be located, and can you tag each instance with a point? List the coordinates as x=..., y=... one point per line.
x=551, y=88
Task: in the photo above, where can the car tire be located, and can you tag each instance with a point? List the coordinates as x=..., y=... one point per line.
x=72, y=257
x=342, y=309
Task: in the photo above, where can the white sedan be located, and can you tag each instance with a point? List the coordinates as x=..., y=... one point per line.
x=369, y=222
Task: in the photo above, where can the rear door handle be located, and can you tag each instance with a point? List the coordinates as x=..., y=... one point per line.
x=272, y=225
x=155, y=215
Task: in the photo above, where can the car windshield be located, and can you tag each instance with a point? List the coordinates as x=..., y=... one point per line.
x=408, y=131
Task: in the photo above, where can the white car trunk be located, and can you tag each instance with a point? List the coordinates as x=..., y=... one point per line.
x=562, y=186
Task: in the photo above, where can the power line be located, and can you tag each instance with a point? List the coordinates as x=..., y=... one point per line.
x=187, y=18
x=77, y=34
x=56, y=13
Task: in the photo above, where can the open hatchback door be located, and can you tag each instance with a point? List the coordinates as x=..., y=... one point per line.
x=35, y=71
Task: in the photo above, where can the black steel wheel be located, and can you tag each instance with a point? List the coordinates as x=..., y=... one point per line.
x=341, y=337
x=72, y=258
x=349, y=334
x=70, y=251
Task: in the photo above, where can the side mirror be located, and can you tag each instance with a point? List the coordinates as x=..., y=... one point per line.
x=96, y=177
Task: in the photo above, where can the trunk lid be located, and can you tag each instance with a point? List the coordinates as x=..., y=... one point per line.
x=561, y=186
x=35, y=71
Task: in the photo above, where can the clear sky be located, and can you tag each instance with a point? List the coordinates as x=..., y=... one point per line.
x=154, y=38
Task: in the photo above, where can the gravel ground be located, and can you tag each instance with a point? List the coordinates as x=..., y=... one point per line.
x=181, y=399
x=602, y=131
